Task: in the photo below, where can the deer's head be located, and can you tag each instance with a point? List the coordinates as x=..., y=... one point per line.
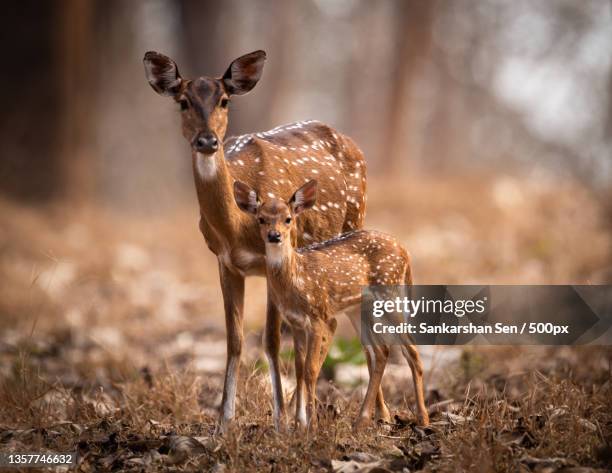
x=204, y=101
x=276, y=218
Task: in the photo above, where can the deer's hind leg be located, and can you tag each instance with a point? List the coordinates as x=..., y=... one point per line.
x=312, y=368
x=379, y=355
x=382, y=411
x=414, y=360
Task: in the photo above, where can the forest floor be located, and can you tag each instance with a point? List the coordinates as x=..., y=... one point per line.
x=112, y=342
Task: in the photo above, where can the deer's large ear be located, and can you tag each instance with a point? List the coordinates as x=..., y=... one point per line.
x=304, y=198
x=162, y=74
x=246, y=198
x=244, y=72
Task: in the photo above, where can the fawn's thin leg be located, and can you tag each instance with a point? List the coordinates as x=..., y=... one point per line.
x=311, y=372
x=414, y=360
x=272, y=347
x=379, y=355
x=232, y=287
x=326, y=343
x=327, y=339
x=299, y=343
x=411, y=354
x=382, y=411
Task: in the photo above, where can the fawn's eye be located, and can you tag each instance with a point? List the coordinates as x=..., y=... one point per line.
x=261, y=220
x=288, y=220
x=224, y=102
x=183, y=104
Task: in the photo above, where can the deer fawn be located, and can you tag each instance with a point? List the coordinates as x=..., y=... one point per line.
x=310, y=285
x=273, y=163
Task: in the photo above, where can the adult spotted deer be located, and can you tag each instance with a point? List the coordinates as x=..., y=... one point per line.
x=310, y=285
x=274, y=163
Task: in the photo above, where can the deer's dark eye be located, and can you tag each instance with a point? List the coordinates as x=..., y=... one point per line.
x=261, y=220
x=183, y=104
x=224, y=102
x=288, y=220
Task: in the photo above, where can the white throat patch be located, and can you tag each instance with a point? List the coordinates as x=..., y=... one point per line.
x=206, y=165
x=274, y=254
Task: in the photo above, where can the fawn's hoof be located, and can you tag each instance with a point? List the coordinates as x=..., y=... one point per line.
x=280, y=424
x=312, y=426
x=306, y=426
x=423, y=420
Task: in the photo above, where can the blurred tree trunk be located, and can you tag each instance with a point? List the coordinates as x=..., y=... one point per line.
x=606, y=192
x=413, y=29
x=202, y=30
x=29, y=93
x=366, y=66
x=74, y=51
x=279, y=75
x=447, y=130
x=142, y=163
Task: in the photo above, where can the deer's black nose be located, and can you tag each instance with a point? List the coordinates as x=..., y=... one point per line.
x=274, y=237
x=206, y=143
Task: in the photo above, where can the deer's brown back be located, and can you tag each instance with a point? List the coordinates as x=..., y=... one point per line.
x=276, y=162
x=343, y=265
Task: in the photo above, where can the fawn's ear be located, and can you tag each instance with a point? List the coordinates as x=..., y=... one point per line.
x=162, y=74
x=244, y=72
x=246, y=198
x=304, y=198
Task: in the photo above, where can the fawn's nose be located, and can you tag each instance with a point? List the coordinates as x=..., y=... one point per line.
x=274, y=236
x=206, y=143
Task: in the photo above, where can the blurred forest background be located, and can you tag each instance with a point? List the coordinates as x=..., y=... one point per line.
x=486, y=125
x=487, y=131
x=420, y=85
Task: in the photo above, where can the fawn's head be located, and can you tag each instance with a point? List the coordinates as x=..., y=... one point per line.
x=276, y=218
x=204, y=101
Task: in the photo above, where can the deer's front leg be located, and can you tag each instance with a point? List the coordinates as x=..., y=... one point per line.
x=328, y=338
x=299, y=344
x=232, y=286
x=311, y=370
x=272, y=347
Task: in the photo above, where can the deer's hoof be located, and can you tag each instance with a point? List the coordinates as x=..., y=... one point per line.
x=223, y=426
x=384, y=415
x=361, y=423
x=423, y=420
x=312, y=426
x=280, y=424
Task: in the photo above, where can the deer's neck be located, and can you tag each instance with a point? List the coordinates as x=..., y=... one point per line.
x=214, y=185
x=283, y=268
